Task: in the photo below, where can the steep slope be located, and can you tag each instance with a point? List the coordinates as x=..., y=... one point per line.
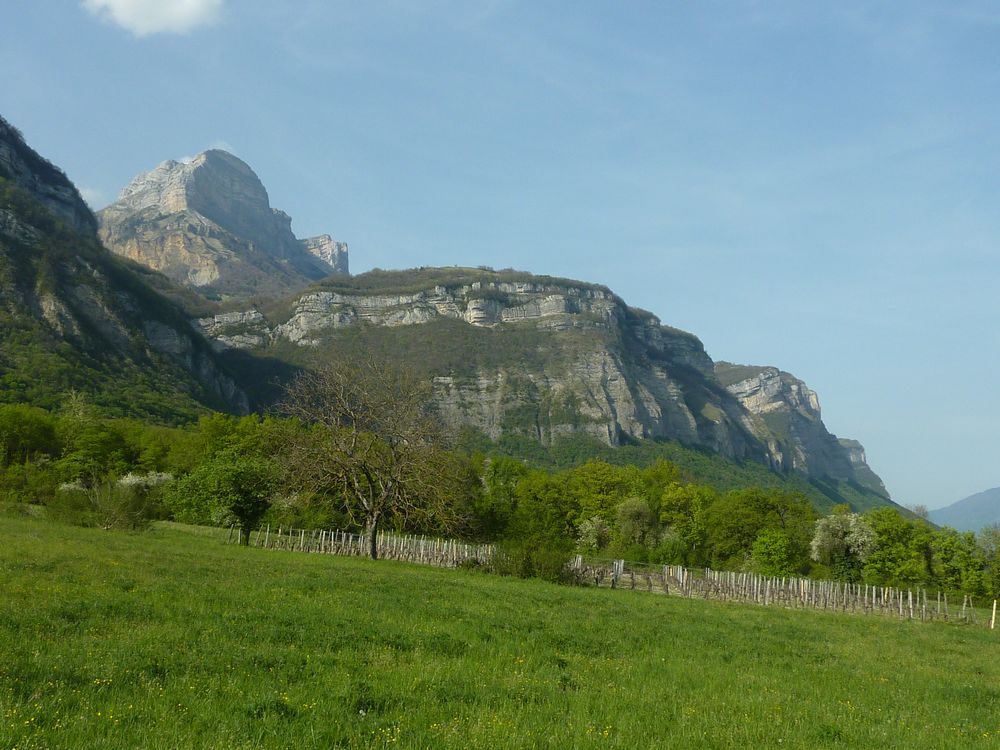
x=971, y=513
x=208, y=224
x=787, y=418
x=73, y=317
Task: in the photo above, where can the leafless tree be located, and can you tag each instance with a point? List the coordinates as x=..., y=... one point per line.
x=374, y=439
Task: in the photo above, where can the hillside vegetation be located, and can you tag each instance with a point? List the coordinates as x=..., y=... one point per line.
x=173, y=639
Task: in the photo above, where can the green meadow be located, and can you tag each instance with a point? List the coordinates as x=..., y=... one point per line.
x=174, y=639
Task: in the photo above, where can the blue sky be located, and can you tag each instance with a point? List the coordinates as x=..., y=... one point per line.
x=804, y=186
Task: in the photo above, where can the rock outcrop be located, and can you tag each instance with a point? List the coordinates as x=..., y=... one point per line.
x=208, y=224
x=328, y=250
x=787, y=417
x=75, y=316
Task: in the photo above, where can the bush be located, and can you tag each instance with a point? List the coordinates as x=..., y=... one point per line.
x=526, y=560
x=129, y=503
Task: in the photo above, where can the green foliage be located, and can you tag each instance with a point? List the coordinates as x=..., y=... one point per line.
x=494, y=505
x=693, y=465
x=26, y=432
x=635, y=522
x=903, y=554
x=126, y=504
x=737, y=519
x=228, y=488
x=773, y=554
x=682, y=510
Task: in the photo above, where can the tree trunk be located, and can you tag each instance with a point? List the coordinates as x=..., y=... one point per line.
x=245, y=538
x=371, y=530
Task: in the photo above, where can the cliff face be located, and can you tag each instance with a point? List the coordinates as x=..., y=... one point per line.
x=525, y=355
x=74, y=317
x=208, y=224
x=787, y=418
x=510, y=353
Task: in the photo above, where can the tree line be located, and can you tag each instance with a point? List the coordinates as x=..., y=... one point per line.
x=355, y=446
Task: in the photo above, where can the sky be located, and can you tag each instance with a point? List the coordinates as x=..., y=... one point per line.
x=812, y=186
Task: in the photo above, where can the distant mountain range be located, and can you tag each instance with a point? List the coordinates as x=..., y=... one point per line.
x=242, y=303
x=971, y=513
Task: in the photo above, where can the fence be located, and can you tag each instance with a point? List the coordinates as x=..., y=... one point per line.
x=751, y=588
x=789, y=592
x=414, y=549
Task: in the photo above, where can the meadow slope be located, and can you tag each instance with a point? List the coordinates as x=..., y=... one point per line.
x=174, y=639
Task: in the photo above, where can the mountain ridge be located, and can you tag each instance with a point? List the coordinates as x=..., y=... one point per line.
x=509, y=354
x=549, y=358
x=970, y=513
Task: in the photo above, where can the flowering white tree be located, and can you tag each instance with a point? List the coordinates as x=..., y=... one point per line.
x=843, y=541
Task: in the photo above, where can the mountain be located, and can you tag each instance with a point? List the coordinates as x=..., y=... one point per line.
x=971, y=513
x=75, y=318
x=512, y=356
x=787, y=418
x=542, y=358
x=207, y=223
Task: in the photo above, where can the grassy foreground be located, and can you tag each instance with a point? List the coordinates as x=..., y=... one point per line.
x=174, y=640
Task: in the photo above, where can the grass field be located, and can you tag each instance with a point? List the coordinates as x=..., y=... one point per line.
x=170, y=639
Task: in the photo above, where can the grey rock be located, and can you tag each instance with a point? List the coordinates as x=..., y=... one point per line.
x=328, y=250
x=208, y=224
x=786, y=415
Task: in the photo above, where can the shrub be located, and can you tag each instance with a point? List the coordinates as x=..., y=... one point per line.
x=526, y=560
x=129, y=503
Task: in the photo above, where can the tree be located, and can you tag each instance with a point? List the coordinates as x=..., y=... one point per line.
x=375, y=443
x=682, y=509
x=902, y=554
x=736, y=519
x=227, y=488
x=843, y=541
x=635, y=522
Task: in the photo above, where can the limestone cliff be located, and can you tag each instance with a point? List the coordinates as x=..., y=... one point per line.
x=787, y=417
x=74, y=317
x=513, y=353
x=208, y=224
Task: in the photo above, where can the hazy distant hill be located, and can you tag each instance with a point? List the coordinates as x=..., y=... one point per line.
x=971, y=513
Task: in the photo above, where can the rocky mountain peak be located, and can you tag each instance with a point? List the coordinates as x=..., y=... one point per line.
x=208, y=223
x=201, y=184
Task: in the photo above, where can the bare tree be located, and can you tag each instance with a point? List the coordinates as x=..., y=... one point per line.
x=374, y=440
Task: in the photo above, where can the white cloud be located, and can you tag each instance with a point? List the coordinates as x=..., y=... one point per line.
x=144, y=17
